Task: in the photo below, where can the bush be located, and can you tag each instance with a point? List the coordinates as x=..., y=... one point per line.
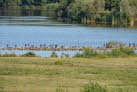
x=102, y=55
x=116, y=52
x=9, y=55
x=29, y=54
x=54, y=54
x=91, y=87
x=65, y=55
x=59, y=63
x=88, y=52
x=128, y=51
x=78, y=55
x=124, y=51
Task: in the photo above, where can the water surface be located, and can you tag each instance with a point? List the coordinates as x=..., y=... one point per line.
x=35, y=27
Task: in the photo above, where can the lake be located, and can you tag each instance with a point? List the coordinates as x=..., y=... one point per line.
x=36, y=27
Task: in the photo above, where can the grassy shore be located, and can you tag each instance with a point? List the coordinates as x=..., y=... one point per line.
x=36, y=74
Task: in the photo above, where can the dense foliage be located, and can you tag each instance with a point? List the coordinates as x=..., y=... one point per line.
x=110, y=11
x=116, y=52
x=29, y=3
x=86, y=11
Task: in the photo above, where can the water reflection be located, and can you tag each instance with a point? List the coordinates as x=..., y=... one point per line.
x=23, y=12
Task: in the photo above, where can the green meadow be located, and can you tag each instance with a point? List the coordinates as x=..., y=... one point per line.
x=37, y=74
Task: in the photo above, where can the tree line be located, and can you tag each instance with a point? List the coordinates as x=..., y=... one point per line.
x=30, y=3
x=99, y=11
x=86, y=11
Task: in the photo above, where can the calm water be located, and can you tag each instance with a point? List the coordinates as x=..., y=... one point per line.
x=35, y=27
x=41, y=53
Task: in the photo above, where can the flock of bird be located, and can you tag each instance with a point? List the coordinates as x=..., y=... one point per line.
x=55, y=47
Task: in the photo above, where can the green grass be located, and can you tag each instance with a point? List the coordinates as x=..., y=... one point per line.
x=29, y=54
x=116, y=52
x=36, y=74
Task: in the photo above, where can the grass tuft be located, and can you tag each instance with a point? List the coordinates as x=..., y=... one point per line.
x=8, y=55
x=91, y=87
x=59, y=63
x=29, y=54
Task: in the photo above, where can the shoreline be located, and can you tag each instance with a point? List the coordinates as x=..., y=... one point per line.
x=62, y=48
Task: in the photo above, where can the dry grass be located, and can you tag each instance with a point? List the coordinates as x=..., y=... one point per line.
x=22, y=74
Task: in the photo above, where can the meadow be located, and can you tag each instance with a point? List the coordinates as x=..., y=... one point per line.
x=112, y=68
x=38, y=74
